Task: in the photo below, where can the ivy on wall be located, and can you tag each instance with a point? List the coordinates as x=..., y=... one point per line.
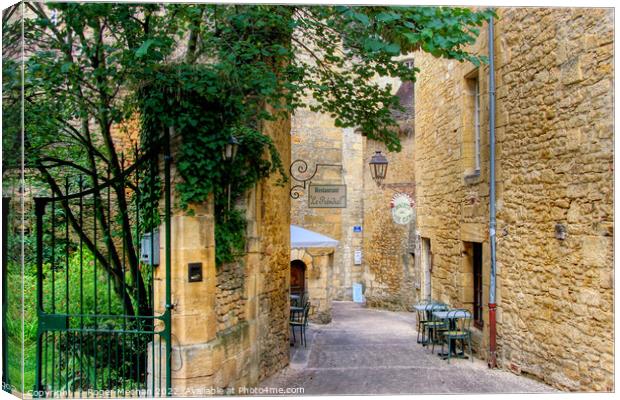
x=205, y=113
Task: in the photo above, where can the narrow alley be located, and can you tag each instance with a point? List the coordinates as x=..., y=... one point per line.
x=370, y=351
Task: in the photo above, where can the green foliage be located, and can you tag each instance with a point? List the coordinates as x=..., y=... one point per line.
x=206, y=112
x=75, y=354
x=213, y=71
x=229, y=236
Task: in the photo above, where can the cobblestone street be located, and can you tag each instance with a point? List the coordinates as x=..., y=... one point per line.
x=369, y=351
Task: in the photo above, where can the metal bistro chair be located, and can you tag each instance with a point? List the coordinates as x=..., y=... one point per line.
x=435, y=325
x=460, y=324
x=421, y=318
x=300, y=320
x=299, y=299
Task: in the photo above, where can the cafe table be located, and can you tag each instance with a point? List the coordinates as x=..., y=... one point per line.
x=427, y=308
x=446, y=315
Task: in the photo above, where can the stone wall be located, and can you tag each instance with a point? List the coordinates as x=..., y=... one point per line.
x=273, y=280
x=319, y=270
x=554, y=170
x=385, y=246
x=316, y=140
x=230, y=329
x=388, y=257
x=389, y=253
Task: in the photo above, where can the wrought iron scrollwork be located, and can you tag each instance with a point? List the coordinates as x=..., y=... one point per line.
x=301, y=167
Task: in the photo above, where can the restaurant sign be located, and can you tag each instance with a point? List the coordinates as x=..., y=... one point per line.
x=327, y=196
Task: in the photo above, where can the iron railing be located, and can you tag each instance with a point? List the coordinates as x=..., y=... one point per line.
x=103, y=329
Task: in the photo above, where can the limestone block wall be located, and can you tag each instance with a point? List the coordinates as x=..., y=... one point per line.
x=388, y=257
x=389, y=253
x=273, y=266
x=316, y=140
x=554, y=76
x=231, y=328
x=319, y=270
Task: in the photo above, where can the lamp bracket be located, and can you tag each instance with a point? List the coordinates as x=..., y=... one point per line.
x=298, y=169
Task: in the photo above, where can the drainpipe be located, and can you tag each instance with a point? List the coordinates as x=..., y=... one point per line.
x=492, y=362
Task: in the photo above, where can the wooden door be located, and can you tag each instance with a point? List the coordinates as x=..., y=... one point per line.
x=298, y=276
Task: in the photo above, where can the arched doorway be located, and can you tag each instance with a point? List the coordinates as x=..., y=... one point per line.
x=298, y=277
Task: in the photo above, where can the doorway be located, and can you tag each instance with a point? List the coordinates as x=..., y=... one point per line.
x=427, y=267
x=298, y=277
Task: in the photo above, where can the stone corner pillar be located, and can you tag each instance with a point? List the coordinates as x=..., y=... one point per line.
x=193, y=318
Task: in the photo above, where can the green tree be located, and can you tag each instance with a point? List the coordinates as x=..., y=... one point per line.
x=211, y=71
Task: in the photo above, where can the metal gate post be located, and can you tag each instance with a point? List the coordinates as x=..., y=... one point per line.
x=39, y=209
x=6, y=386
x=169, y=306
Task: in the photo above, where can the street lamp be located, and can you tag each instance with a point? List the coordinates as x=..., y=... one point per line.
x=228, y=153
x=378, y=167
x=230, y=149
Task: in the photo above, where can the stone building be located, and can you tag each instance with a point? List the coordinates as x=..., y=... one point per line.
x=231, y=328
x=554, y=135
x=385, y=270
x=554, y=209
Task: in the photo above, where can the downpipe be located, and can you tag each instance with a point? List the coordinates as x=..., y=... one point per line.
x=492, y=360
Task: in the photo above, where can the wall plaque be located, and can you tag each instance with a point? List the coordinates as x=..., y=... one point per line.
x=402, y=208
x=357, y=257
x=327, y=196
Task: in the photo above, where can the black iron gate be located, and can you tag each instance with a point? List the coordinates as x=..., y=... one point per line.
x=6, y=386
x=103, y=328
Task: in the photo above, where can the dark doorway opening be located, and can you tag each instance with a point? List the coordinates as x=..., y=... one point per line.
x=298, y=277
x=477, y=264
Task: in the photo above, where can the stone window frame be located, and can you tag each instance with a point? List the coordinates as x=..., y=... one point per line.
x=471, y=126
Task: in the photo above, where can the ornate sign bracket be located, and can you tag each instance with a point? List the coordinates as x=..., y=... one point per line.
x=300, y=167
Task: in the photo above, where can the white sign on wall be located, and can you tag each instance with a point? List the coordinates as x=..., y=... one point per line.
x=327, y=196
x=357, y=257
x=402, y=208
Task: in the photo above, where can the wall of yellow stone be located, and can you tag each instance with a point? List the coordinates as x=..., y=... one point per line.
x=388, y=264
x=319, y=269
x=554, y=76
x=316, y=140
x=231, y=329
x=386, y=271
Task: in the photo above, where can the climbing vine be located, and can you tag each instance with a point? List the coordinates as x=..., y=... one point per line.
x=206, y=114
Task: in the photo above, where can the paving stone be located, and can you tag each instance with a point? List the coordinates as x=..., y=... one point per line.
x=369, y=351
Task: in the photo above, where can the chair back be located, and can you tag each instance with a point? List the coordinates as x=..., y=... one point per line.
x=461, y=319
x=436, y=307
x=306, y=312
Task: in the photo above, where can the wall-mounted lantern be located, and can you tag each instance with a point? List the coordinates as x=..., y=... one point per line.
x=229, y=152
x=378, y=167
x=230, y=149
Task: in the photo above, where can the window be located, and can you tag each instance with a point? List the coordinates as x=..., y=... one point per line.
x=471, y=124
x=477, y=125
x=477, y=267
